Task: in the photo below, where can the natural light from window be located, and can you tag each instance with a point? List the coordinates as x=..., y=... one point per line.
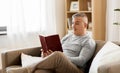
x=22, y=16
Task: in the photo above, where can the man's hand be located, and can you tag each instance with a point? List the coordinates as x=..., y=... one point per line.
x=44, y=54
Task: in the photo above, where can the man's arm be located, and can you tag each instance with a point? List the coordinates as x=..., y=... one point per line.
x=85, y=54
x=44, y=54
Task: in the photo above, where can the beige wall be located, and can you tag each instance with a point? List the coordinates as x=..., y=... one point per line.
x=60, y=17
x=99, y=19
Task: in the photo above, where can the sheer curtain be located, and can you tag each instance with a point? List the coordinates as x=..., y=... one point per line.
x=25, y=20
x=31, y=16
x=113, y=17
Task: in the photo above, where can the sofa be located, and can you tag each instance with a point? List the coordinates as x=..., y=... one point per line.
x=11, y=60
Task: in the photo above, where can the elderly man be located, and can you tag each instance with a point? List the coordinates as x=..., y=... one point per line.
x=78, y=48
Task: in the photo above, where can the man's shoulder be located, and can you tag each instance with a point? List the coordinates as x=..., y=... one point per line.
x=68, y=35
x=88, y=40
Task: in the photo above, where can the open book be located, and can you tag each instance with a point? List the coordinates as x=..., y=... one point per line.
x=51, y=42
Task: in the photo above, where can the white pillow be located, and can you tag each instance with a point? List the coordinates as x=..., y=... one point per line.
x=107, y=55
x=29, y=61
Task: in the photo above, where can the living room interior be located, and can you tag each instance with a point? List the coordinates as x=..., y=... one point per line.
x=22, y=21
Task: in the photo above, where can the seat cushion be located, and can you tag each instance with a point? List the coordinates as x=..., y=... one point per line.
x=105, y=57
x=16, y=69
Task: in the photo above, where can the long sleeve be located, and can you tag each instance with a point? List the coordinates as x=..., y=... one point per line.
x=85, y=53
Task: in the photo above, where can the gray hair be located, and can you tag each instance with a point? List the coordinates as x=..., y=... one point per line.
x=83, y=15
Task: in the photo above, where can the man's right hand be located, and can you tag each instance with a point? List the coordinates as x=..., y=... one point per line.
x=44, y=54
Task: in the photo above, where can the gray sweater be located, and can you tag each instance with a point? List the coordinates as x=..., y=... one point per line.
x=78, y=49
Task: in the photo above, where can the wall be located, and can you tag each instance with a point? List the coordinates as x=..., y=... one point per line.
x=60, y=17
x=113, y=31
x=99, y=19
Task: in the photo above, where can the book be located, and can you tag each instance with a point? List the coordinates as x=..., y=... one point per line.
x=50, y=42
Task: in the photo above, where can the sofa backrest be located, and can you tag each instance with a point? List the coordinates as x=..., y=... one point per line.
x=99, y=45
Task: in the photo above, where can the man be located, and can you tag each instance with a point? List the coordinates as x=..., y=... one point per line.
x=78, y=48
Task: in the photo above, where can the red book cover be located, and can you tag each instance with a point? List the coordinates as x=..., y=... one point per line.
x=51, y=42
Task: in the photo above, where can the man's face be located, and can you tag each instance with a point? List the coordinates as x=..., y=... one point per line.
x=79, y=26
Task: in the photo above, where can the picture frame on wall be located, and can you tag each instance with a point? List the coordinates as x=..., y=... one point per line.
x=74, y=6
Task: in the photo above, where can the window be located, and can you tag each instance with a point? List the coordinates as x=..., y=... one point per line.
x=27, y=16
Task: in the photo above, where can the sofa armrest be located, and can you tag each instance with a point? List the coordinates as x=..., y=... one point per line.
x=110, y=68
x=12, y=57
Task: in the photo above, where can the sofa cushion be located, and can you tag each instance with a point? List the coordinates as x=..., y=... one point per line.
x=16, y=69
x=29, y=61
x=106, y=56
x=99, y=45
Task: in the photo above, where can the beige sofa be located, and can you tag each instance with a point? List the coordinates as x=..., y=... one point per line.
x=11, y=60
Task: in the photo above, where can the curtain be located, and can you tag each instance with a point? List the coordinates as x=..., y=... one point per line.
x=113, y=20
x=31, y=16
x=25, y=20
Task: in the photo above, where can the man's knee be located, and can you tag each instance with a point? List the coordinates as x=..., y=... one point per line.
x=58, y=56
x=58, y=53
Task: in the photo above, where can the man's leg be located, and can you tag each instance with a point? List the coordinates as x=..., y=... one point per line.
x=59, y=62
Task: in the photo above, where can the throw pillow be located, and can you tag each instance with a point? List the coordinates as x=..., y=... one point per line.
x=105, y=57
x=29, y=61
